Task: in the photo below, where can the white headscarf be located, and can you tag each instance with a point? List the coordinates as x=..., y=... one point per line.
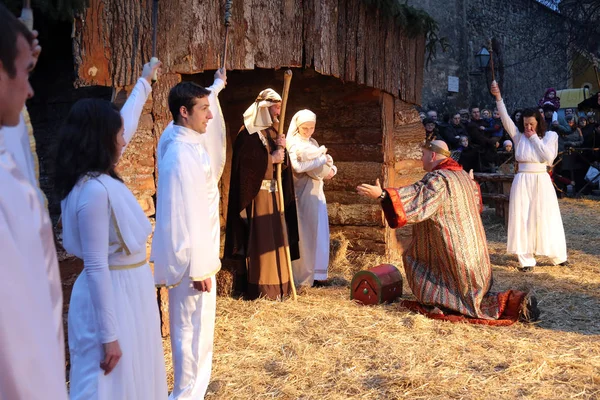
x=298, y=119
x=257, y=117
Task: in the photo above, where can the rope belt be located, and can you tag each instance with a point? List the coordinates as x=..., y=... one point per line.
x=269, y=185
x=129, y=266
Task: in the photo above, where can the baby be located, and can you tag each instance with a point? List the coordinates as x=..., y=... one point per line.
x=550, y=99
x=308, y=153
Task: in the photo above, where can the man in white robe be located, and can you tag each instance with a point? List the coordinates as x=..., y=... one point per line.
x=185, y=248
x=31, y=340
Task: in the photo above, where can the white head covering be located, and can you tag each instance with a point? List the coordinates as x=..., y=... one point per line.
x=506, y=143
x=257, y=116
x=298, y=119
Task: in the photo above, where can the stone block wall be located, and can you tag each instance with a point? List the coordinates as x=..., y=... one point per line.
x=530, y=52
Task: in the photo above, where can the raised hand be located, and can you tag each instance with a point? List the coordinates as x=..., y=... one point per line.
x=222, y=75
x=495, y=89
x=149, y=71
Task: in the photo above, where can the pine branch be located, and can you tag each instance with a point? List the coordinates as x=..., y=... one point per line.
x=414, y=22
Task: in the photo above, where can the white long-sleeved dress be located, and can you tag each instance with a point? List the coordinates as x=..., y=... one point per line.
x=114, y=298
x=313, y=221
x=534, y=221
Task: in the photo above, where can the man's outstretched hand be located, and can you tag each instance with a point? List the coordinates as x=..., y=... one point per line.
x=370, y=190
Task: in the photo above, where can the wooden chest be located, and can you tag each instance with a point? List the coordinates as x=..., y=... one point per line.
x=380, y=284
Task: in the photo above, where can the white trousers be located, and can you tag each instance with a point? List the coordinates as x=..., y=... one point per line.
x=192, y=323
x=528, y=260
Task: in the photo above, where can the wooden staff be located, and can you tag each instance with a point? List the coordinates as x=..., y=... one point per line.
x=227, y=23
x=492, y=60
x=154, y=59
x=287, y=79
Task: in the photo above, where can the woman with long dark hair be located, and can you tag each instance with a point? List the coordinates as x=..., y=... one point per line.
x=114, y=326
x=534, y=221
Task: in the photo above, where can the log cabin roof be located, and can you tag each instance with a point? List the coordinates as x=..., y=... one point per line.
x=347, y=39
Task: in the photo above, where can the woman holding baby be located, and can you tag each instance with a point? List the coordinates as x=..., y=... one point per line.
x=311, y=165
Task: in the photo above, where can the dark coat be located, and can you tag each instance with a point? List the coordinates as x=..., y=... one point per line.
x=248, y=168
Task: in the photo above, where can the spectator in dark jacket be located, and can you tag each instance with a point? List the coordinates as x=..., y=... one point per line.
x=485, y=147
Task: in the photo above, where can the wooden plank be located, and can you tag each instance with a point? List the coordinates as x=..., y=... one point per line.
x=392, y=248
x=361, y=44
x=356, y=152
x=355, y=214
x=344, y=196
x=495, y=196
x=351, y=174
x=340, y=38
x=489, y=177
x=362, y=238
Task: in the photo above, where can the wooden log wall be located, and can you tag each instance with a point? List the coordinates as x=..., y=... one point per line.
x=354, y=123
x=341, y=38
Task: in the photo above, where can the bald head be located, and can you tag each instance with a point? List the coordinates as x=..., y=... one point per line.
x=431, y=158
x=441, y=144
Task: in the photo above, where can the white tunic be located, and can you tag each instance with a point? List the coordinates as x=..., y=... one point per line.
x=31, y=346
x=114, y=298
x=534, y=219
x=187, y=233
x=313, y=221
x=185, y=248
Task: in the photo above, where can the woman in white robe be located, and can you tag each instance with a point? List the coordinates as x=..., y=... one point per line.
x=534, y=221
x=113, y=324
x=310, y=165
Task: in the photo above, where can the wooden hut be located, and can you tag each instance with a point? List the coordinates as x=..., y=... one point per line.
x=353, y=65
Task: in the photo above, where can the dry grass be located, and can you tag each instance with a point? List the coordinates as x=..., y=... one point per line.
x=326, y=347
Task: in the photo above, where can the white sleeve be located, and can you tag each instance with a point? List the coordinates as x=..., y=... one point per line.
x=30, y=359
x=93, y=218
x=217, y=86
x=554, y=116
x=215, y=137
x=305, y=166
x=132, y=109
x=171, y=250
x=546, y=150
x=507, y=122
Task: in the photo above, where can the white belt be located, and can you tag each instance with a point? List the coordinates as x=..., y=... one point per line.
x=532, y=168
x=269, y=185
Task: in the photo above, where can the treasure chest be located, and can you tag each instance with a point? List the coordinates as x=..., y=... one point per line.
x=380, y=284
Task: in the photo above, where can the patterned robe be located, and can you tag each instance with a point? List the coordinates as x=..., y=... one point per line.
x=447, y=264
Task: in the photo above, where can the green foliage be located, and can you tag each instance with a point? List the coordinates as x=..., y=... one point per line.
x=56, y=9
x=414, y=22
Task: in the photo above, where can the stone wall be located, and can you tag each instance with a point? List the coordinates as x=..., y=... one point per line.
x=530, y=56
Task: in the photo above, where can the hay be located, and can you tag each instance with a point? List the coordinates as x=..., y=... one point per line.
x=326, y=347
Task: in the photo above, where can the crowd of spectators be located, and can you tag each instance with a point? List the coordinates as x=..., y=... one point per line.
x=479, y=142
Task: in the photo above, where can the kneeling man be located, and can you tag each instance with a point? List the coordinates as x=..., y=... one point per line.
x=447, y=264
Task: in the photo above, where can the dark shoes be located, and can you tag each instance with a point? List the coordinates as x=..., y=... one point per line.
x=529, y=309
x=324, y=283
x=525, y=269
x=565, y=264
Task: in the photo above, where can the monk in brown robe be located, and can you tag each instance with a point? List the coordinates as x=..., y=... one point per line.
x=447, y=264
x=254, y=231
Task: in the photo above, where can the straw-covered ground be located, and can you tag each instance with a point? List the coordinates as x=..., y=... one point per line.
x=324, y=346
